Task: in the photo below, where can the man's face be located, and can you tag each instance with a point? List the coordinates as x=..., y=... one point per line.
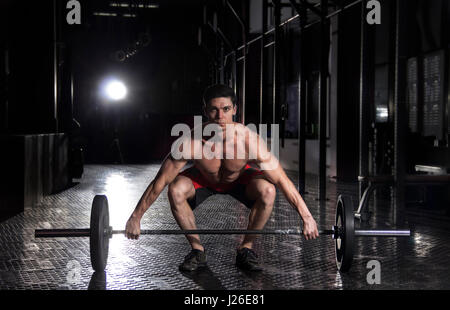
x=220, y=110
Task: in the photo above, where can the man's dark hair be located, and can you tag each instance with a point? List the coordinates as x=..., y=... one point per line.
x=218, y=90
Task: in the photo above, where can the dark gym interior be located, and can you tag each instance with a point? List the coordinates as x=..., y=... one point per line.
x=359, y=90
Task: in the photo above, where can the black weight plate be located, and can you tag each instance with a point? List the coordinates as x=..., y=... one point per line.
x=99, y=240
x=344, y=243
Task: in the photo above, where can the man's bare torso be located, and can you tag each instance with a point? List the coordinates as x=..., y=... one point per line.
x=233, y=156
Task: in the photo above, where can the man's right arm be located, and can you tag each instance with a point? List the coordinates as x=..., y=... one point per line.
x=166, y=174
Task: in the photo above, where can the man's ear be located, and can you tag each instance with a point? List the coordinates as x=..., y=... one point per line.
x=235, y=108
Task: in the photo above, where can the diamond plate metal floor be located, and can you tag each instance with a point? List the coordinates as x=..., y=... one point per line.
x=419, y=262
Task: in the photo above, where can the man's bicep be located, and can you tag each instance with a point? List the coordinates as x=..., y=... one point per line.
x=273, y=174
x=260, y=154
x=170, y=168
x=186, y=148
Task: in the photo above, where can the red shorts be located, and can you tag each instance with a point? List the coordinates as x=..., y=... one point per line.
x=204, y=189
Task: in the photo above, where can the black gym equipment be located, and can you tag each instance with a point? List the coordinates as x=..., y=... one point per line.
x=344, y=241
x=100, y=232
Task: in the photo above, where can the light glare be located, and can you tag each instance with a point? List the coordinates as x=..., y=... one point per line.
x=116, y=90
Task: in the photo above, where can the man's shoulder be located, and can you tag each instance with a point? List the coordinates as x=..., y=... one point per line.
x=244, y=128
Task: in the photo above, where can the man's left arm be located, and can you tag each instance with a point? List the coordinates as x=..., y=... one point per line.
x=275, y=174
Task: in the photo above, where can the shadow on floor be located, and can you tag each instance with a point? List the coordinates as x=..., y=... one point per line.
x=205, y=278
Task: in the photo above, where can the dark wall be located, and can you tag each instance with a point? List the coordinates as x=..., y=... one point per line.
x=28, y=40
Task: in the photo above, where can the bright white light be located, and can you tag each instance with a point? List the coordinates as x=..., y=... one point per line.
x=115, y=90
x=382, y=113
x=118, y=190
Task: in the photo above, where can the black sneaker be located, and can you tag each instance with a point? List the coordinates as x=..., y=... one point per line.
x=194, y=260
x=247, y=259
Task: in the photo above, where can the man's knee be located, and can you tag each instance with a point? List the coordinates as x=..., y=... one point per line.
x=267, y=193
x=176, y=193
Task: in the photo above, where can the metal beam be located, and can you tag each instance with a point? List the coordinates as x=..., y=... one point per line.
x=366, y=95
x=276, y=57
x=306, y=26
x=313, y=8
x=324, y=48
x=262, y=92
x=304, y=3
x=55, y=124
x=400, y=112
x=244, y=65
x=240, y=20
x=302, y=105
x=296, y=7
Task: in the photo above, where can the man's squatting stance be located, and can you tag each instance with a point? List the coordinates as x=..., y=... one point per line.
x=224, y=174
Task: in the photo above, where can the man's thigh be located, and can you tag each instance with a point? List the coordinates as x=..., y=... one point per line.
x=249, y=192
x=256, y=187
x=195, y=193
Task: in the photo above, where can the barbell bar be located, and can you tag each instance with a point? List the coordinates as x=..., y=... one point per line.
x=86, y=232
x=100, y=232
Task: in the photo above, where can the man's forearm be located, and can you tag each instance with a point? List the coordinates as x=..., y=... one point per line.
x=148, y=198
x=294, y=197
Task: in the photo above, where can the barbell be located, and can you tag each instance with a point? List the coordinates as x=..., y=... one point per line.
x=99, y=233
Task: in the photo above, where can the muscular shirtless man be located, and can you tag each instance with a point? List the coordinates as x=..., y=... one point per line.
x=209, y=175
